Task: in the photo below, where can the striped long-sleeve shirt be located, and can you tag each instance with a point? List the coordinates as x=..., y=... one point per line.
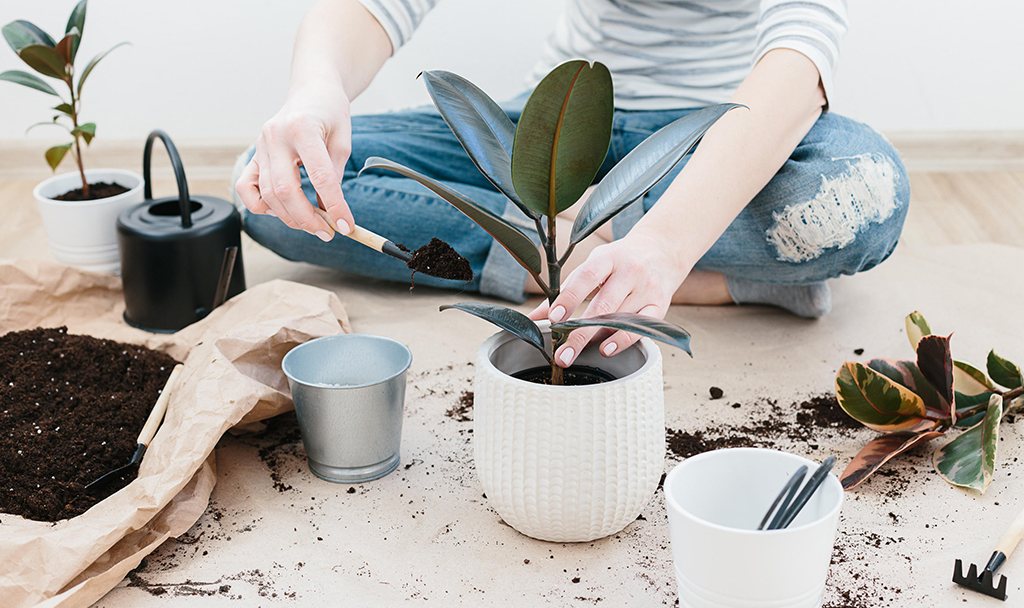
x=666, y=54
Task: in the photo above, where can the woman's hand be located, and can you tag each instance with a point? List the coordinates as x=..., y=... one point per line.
x=637, y=274
x=312, y=130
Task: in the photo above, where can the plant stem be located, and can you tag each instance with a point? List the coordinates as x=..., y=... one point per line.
x=554, y=284
x=78, y=143
x=1008, y=396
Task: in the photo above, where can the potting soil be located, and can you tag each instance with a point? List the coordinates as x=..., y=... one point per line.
x=96, y=191
x=71, y=408
x=438, y=259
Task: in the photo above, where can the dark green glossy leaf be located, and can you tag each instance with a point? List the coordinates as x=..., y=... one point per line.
x=1003, y=372
x=480, y=125
x=511, y=238
x=28, y=80
x=44, y=59
x=92, y=65
x=965, y=403
x=87, y=131
x=20, y=34
x=917, y=328
x=562, y=136
x=907, y=374
x=969, y=460
x=77, y=18
x=876, y=401
x=512, y=321
x=56, y=154
x=644, y=167
x=880, y=451
x=936, y=365
x=655, y=329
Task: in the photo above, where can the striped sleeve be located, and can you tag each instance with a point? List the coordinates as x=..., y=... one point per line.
x=399, y=18
x=811, y=27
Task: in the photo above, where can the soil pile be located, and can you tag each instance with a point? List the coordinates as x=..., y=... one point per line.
x=438, y=259
x=71, y=408
x=96, y=191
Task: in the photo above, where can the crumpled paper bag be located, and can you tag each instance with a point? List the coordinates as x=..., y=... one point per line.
x=232, y=376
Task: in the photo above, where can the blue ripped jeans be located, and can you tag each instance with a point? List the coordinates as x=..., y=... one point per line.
x=836, y=207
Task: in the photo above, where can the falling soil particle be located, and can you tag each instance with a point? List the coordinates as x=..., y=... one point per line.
x=438, y=259
x=463, y=409
x=71, y=408
x=716, y=393
x=96, y=191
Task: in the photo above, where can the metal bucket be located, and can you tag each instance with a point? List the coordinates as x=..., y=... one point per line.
x=349, y=394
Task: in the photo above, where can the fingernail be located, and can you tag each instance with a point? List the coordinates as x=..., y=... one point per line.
x=343, y=227
x=323, y=236
x=610, y=348
x=271, y=213
x=556, y=314
x=566, y=357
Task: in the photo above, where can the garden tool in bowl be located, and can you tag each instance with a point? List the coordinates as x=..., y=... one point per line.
x=985, y=583
x=156, y=416
x=181, y=255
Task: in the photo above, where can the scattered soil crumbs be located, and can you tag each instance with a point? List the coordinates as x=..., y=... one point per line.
x=96, y=191
x=280, y=448
x=817, y=414
x=463, y=409
x=438, y=259
x=264, y=584
x=716, y=393
x=850, y=585
x=71, y=408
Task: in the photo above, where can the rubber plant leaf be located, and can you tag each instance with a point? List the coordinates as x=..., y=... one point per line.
x=917, y=328
x=89, y=67
x=562, y=136
x=965, y=403
x=481, y=126
x=1003, y=372
x=511, y=238
x=644, y=167
x=969, y=460
x=77, y=18
x=56, y=154
x=936, y=365
x=512, y=321
x=970, y=380
x=64, y=108
x=655, y=329
x=67, y=48
x=45, y=60
x=880, y=451
x=907, y=374
x=876, y=401
x=87, y=131
x=28, y=80
x=20, y=34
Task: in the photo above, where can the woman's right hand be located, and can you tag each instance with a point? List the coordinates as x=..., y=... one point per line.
x=312, y=130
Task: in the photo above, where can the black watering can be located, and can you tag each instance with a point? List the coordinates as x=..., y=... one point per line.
x=181, y=256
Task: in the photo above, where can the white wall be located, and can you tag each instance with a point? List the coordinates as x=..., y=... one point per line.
x=216, y=69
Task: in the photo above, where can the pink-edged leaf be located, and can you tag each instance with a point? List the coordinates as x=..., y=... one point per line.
x=906, y=373
x=880, y=451
x=936, y=365
x=876, y=401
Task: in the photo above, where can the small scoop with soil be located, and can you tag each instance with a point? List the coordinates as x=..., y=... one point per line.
x=436, y=258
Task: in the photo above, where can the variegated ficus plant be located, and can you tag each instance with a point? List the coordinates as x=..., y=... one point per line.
x=544, y=164
x=56, y=60
x=913, y=402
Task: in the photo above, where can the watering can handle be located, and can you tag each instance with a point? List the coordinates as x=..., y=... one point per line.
x=185, y=208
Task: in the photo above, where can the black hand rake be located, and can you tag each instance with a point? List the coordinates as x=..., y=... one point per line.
x=985, y=582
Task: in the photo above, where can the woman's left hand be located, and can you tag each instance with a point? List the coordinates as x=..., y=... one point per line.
x=636, y=274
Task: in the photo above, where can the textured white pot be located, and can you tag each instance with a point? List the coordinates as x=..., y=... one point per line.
x=568, y=464
x=84, y=233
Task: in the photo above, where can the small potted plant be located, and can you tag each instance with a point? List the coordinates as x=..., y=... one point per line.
x=564, y=455
x=79, y=209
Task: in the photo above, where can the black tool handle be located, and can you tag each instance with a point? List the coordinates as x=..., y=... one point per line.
x=805, y=495
x=788, y=491
x=184, y=206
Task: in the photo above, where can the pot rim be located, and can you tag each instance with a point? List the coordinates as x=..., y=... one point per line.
x=337, y=337
x=117, y=197
x=651, y=352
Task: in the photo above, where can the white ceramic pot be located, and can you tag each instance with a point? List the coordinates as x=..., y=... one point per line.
x=568, y=463
x=83, y=233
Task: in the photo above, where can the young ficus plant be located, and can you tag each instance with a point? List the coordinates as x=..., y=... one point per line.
x=57, y=60
x=543, y=165
x=913, y=402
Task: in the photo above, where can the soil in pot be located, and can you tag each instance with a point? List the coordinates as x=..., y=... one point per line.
x=577, y=375
x=96, y=191
x=438, y=259
x=71, y=408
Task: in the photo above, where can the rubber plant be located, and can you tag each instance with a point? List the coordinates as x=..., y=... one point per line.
x=57, y=60
x=913, y=402
x=543, y=165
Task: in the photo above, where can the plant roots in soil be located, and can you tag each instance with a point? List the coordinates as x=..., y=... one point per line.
x=96, y=191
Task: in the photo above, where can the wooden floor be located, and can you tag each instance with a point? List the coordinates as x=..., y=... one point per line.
x=947, y=207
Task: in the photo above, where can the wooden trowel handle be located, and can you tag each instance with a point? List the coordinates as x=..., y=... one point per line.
x=157, y=415
x=1012, y=536
x=365, y=237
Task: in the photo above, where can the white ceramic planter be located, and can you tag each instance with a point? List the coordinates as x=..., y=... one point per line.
x=568, y=464
x=83, y=233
